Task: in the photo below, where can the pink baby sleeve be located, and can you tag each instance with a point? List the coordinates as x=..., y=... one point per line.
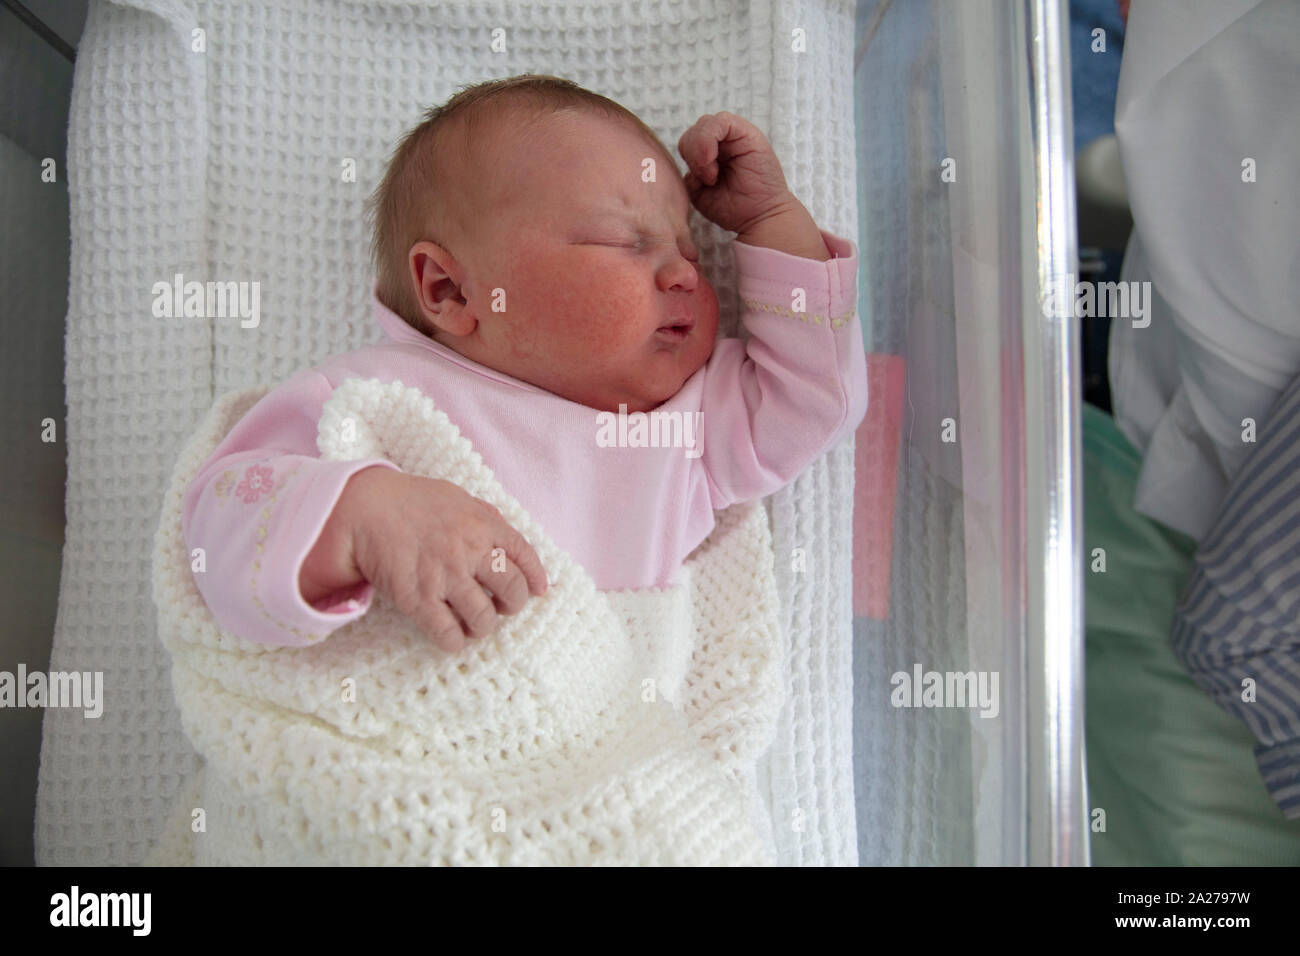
x=256, y=508
x=798, y=386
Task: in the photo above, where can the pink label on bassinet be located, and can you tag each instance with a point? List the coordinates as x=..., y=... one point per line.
x=875, y=482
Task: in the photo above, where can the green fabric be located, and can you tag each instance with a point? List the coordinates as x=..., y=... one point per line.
x=1174, y=773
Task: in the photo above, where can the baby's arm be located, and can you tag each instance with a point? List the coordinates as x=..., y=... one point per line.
x=296, y=546
x=256, y=508
x=773, y=404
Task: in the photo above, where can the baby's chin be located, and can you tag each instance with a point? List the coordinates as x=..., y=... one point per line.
x=655, y=397
x=630, y=400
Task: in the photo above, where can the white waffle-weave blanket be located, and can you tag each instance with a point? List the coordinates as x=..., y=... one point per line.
x=616, y=727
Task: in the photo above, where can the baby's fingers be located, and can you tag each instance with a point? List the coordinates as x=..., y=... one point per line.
x=442, y=626
x=474, y=607
x=718, y=138
x=507, y=584
x=522, y=554
x=699, y=147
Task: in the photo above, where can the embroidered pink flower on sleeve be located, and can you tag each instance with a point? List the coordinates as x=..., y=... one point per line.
x=256, y=482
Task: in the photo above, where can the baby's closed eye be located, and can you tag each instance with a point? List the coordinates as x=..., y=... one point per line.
x=643, y=242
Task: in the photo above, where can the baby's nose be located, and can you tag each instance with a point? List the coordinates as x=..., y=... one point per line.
x=680, y=273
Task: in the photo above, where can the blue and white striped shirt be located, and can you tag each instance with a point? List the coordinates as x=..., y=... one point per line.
x=1237, y=627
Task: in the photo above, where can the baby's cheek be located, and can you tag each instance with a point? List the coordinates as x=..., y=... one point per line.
x=539, y=310
x=708, y=331
x=709, y=307
x=597, y=320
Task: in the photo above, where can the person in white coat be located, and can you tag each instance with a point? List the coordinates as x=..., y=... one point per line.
x=1208, y=122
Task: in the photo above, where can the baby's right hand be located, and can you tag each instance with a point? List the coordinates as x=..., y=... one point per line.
x=427, y=545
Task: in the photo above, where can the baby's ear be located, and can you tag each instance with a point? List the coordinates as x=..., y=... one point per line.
x=436, y=292
x=456, y=322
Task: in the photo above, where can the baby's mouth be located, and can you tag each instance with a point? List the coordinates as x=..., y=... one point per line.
x=676, y=331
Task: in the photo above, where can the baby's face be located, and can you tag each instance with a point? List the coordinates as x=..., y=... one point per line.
x=592, y=263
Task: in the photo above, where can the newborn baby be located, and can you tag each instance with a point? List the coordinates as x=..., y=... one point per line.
x=536, y=273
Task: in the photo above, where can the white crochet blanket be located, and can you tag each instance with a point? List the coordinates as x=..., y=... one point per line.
x=221, y=164
x=617, y=727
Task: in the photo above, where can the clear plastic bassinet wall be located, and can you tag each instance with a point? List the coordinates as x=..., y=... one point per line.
x=968, y=601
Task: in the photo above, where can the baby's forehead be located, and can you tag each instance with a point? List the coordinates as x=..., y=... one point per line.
x=514, y=129
x=504, y=158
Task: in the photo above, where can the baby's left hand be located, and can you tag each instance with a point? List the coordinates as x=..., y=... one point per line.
x=733, y=177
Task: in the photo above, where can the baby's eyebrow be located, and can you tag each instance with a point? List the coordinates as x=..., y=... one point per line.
x=631, y=217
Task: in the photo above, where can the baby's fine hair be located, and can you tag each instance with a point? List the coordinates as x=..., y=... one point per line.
x=408, y=205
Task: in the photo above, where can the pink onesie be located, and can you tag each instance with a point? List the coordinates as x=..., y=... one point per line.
x=629, y=515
